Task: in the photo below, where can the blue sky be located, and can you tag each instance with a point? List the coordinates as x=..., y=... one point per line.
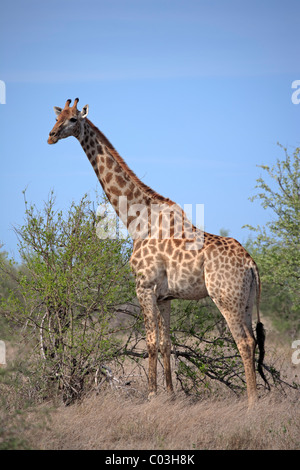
x=193, y=94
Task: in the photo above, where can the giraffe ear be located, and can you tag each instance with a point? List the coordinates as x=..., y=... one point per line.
x=57, y=110
x=84, y=112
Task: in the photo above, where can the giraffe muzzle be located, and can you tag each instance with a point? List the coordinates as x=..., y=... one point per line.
x=52, y=139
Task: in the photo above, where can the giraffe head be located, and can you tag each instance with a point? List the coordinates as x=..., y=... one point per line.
x=69, y=121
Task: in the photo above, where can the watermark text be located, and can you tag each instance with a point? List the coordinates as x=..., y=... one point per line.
x=296, y=94
x=2, y=353
x=296, y=354
x=2, y=92
x=158, y=221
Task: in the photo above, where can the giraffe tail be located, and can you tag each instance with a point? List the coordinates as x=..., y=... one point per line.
x=260, y=331
x=260, y=338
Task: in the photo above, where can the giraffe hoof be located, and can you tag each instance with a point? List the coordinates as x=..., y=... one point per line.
x=151, y=395
x=252, y=402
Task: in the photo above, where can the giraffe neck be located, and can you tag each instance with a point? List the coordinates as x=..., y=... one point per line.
x=116, y=178
x=133, y=201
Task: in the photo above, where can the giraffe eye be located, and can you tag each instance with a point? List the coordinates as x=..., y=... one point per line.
x=73, y=119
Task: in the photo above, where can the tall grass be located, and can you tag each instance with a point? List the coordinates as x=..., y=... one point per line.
x=123, y=418
x=110, y=421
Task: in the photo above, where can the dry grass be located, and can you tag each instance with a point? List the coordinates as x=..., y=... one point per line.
x=113, y=420
x=110, y=421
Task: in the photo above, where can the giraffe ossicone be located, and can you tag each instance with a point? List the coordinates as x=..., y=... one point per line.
x=171, y=259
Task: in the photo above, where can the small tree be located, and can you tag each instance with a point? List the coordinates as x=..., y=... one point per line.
x=70, y=284
x=205, y=351
x=277, y=246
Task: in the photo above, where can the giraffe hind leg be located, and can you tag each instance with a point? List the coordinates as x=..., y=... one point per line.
x=246, y=343
x=240, y=324
x=234, y=297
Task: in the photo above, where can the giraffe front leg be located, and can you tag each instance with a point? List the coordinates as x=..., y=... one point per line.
x=148, y=303
x=165, y=340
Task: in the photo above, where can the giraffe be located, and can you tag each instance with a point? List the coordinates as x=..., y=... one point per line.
x=171, y=260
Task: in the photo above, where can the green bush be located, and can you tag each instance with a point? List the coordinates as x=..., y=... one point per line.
x=68, y=287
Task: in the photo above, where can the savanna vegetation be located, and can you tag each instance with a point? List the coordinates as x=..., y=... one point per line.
x=75, y=336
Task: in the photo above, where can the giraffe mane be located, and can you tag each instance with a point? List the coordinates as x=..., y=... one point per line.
x=149, y=191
